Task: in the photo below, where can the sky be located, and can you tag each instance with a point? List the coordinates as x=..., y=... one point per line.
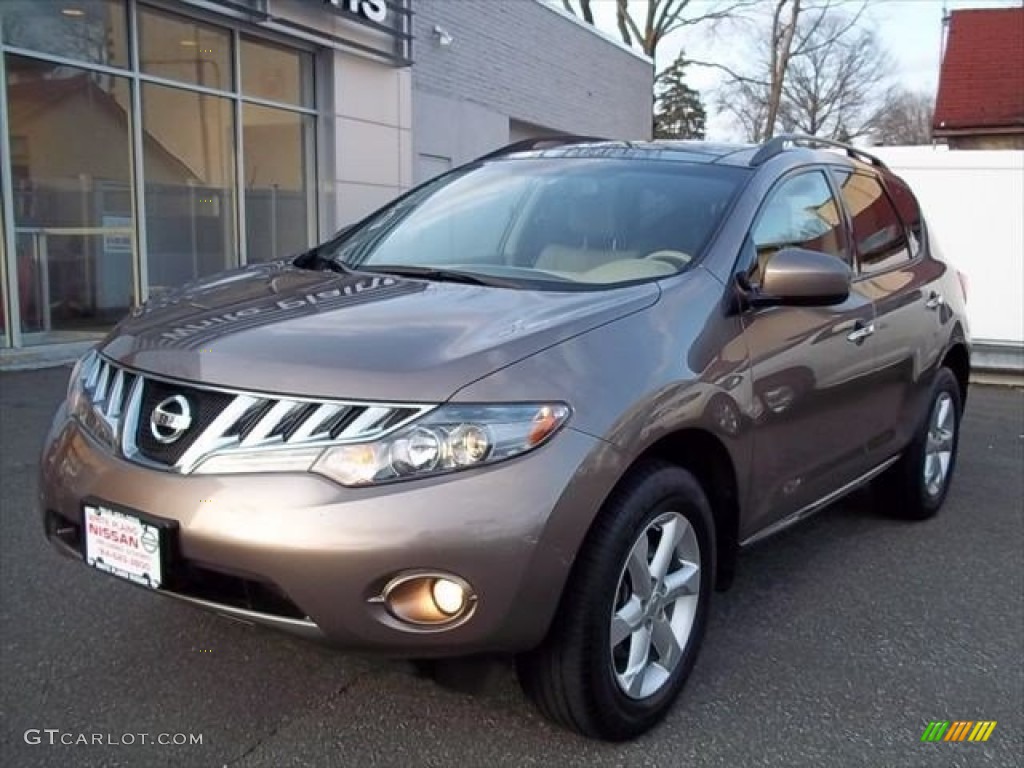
x=911, y=30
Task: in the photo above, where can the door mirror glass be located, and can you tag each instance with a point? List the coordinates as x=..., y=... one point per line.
x=799, y=276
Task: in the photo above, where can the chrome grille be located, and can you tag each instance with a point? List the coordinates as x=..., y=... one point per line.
x=106, y=390
x=115, y=405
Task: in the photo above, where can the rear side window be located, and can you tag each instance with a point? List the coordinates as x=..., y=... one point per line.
x=909, y=211
x=877, y=229
x=800, y=212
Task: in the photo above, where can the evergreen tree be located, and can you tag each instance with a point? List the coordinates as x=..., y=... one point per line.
x=678, y=112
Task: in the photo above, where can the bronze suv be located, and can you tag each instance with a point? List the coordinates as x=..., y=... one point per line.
x=535, y=406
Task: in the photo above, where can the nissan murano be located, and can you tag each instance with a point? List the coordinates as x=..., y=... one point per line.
x=536, y=406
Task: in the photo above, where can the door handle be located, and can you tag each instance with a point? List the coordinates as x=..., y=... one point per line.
x=860, y=332
x=935, y=300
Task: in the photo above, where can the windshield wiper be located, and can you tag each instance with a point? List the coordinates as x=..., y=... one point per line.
x=439, y=274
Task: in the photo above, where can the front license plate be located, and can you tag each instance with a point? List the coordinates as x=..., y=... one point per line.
x=123, y=544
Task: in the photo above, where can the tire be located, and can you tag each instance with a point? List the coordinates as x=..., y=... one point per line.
x=909, y=487
x=577, y=677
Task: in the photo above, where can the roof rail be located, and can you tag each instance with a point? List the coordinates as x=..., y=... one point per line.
x=778, y=144
x=546, y=142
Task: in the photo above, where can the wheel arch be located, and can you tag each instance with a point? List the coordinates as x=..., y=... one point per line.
x=705, y=455
x=958, y=360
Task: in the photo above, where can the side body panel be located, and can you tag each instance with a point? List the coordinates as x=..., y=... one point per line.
x=681, y=364
x=812, y=406
x=911, y=340
x=813, y=368
x=919, y=308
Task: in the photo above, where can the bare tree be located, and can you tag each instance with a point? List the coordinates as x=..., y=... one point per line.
x=785, y=18
x=905, y=118
x=747, y=101
x=586, y=8
x=832, y=89
x=660, y=18
x=794, y=50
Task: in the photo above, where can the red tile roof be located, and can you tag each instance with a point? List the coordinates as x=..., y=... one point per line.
x=981, y=84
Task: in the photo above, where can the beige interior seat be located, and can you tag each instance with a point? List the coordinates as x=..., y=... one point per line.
x=619, y=271
x=566, y=258
x=591, y=236
x=624, y=270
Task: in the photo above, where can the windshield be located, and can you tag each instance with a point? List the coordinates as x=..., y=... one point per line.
x=549, y=222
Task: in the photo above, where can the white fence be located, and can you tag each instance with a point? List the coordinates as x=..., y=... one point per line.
x=974, y=203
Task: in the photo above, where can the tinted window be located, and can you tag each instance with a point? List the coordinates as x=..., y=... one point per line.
x=877, y=230
x=277, y=194
x=800, y=212
x=95, y=31
x=189, y=160
x=276, y=74
x=909, y=211
x=182, y=49
x=599, y=221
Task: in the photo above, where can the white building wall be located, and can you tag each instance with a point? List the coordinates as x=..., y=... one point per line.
x=974, y=203
x=372, y=135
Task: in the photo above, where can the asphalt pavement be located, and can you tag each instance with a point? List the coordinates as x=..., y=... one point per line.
x=840, y=640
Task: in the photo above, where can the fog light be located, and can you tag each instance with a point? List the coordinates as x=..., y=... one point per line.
x=428, y=598
x=449, y=597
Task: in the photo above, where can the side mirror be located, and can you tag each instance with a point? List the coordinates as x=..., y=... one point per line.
x=800, y=277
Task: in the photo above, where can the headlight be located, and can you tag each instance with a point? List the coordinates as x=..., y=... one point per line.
x=77, y=380
x=448, y=439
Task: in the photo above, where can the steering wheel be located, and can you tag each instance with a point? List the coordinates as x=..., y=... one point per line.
x=675, y=258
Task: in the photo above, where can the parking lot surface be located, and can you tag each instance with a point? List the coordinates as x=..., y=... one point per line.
x=840, y=640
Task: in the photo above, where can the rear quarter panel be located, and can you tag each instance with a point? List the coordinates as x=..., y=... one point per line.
x=913, y=339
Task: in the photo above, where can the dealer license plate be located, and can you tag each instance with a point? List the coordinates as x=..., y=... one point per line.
x=123, y=544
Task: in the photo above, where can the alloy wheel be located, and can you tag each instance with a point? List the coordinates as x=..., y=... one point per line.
x=938, y=453
x=655, y=605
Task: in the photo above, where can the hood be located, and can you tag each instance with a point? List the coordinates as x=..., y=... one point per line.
x=281, y=329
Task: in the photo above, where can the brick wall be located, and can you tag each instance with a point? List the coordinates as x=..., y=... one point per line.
x=518, y=60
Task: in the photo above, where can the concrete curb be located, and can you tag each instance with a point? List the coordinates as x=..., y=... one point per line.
x=998, y=379
x=45, y=356
x=997, y=357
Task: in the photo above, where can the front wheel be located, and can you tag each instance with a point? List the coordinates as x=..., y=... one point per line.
x=633, y=614
x=916, y=485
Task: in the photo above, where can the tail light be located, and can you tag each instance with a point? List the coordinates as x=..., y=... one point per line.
x=963, y=283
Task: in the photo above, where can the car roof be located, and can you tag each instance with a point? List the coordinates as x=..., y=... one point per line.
x=681, y=151
x=688, y=151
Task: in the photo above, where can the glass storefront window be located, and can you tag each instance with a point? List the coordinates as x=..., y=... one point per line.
x=94, y=31
x=4, y=341
x=177, y=48
x=278, y=163
x=189, y=161
x=199, y=135
x=69, y=138
x=275, y=73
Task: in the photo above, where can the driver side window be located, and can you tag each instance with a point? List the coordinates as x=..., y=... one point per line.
x=800, y=212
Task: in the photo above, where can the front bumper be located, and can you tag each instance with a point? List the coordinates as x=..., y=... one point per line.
x=301, y=553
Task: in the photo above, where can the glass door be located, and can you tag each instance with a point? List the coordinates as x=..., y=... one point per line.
x=78, y=280
x=70, y=144
x=5, y=340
